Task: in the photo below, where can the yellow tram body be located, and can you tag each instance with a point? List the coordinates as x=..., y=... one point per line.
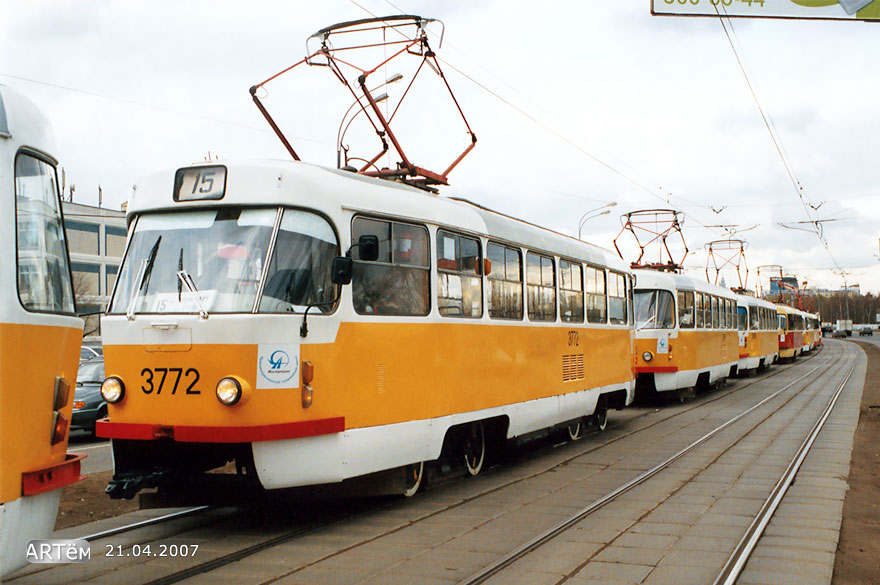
x=685, y=332
x=466, y=317
x=39, y=334
x=758, y=333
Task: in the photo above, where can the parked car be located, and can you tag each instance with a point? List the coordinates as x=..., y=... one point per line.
x=867, y=330
x=88, y=404
x=839, y=333
x=88, y=352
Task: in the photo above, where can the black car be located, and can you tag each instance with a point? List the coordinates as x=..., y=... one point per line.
x=868, y=330
x=88, y=404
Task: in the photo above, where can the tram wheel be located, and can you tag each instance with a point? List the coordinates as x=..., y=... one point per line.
x=414, y=475
x=685, y=394
x=474, y=448
x=600, y=416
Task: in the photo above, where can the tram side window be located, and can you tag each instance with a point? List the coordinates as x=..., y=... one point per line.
x=571, y=294
x=43, y=273
x=617, y=298
x=541, y=284
x=597, y=310
x=731, y=314
x=459, y=281
x=713, y=307
x=698, y=309
x=397, y=283
x=505, y=282
x=755, y=317
x=298, y=273
x=685, y=309
x=707, y=312
x=742, y=315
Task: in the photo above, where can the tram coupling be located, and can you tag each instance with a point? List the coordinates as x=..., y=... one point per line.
x=127, y=485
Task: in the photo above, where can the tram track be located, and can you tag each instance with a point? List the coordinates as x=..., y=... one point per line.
x=292, y=535
x=740, y=555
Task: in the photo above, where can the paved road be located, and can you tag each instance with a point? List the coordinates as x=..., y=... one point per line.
x=98, y=451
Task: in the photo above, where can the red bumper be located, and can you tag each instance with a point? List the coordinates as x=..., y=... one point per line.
x=203, y=434
x=50, y=478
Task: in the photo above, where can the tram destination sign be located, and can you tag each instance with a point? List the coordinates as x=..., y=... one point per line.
x=796, y=9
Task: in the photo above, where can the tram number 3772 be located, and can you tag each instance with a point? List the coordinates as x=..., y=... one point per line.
x=573, y=338
x=154, y=379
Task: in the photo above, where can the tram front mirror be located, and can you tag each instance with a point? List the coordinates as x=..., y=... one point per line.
x=340, y=270
x=368, y=248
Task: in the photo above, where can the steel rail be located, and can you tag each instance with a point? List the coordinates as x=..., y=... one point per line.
x=731, y=570
x=511, y=557
x=142, y=523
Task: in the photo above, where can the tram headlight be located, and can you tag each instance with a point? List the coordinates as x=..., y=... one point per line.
x=647, y=356
x=113, y=389
x=229, y=391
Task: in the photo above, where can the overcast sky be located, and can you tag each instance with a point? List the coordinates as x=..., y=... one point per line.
x=136, y=87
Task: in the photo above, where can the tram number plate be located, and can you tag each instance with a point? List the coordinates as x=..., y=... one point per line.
x=173, y=379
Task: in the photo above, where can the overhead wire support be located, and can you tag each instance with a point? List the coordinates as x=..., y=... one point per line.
x=354, y=76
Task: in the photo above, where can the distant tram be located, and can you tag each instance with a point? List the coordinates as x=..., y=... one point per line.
x=792, y=332
x=686, y=333
x=758, y=334
x=233, y=333
x=39, y=334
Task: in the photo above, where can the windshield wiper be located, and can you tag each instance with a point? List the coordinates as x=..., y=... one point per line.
x=184, y=277
x=179, y=281
x=142, y=279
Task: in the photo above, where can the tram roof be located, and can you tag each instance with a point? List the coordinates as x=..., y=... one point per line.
x=284, y=182
x=647, y=278
x=22, y=124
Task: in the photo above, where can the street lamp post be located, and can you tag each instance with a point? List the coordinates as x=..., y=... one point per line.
x=591, y=214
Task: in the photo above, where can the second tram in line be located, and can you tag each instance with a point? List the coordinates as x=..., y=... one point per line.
x=686, y=333
x=758, y=334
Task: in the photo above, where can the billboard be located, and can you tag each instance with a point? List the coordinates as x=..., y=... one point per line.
x=786, y=285
x=799, y=9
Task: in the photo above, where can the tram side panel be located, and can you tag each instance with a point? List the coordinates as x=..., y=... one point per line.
x=39, y=334
x=359, y=392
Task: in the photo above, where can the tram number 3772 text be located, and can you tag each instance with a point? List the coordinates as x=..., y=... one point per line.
x=158, y=379
x=573, y=339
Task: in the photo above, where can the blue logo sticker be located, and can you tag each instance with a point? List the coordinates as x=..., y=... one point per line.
x=277, y=367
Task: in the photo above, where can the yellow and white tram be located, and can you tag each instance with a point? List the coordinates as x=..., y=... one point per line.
x=685, y=333
x=39, y=334
x=758, y=333
x=813, y=332
x=233, y=335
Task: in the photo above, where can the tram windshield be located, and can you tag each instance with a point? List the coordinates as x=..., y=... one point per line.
x=223, y=251
x=43, y=273
x=654, y=309
x=212, y=261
